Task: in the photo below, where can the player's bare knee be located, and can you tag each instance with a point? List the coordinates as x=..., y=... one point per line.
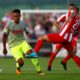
x=29, y=51
x=21, y=62
x=75, y=52
x=40, y=38
x=72, y=53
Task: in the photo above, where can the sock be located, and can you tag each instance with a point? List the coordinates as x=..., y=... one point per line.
x=38, y=46
x=66, y=58
x=32, y=55
x=52, y=56
x=18, y=66
x=36, y=64
x=77, y=60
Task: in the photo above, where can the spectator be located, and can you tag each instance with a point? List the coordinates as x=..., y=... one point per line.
x=38, y=29
x=7, y=17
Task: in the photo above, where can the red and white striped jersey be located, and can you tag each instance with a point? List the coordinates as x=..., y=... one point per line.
x=64, y=17
x=70, y=28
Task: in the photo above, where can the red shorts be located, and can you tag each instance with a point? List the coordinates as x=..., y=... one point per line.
x=55, y=38
x=68, y=46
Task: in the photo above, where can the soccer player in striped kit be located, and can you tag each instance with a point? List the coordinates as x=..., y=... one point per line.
x=65, y=35
x=58, y=47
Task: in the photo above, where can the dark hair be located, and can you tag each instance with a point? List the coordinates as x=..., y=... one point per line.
x=71, y=4
x=16, y=11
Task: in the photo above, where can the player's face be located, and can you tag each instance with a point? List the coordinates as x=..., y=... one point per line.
x=70, y=7
x=16, y=17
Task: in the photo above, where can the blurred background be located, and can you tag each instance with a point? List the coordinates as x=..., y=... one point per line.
x=37, y=23
x=38, y=16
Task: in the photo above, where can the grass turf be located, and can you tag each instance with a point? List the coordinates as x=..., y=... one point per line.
x=29, y=73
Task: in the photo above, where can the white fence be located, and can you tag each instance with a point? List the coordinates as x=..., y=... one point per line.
x=62, y=53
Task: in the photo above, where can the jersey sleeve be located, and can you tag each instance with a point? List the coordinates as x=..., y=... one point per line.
x=6, y=28
x=26, y=30
x=62, y=18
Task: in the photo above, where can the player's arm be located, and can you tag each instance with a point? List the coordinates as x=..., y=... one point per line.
x=56, y=23
x=70, y=17
x=60, y=19
x=26, y=30
x=4, y=39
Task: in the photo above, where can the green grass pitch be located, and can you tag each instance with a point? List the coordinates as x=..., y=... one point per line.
x=29, y=73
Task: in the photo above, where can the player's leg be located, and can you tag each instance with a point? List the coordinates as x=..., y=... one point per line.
x=74, y=49
x=64, y=61
x=51, y=38
x=18, y=56
x=55, y=51
x=35, y=62
x=75, y=58
x=40, y=42
x=67, y=58
x=27, y=50
x=19, y=64
x=72, y=52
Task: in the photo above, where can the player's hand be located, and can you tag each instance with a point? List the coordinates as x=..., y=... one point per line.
x=5, y=51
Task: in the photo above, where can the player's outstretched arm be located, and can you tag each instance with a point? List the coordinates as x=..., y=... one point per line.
x=4, y=40
x=56, y=23
x=62, y=18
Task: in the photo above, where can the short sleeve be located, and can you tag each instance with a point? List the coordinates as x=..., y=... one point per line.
x=6, y=28
x=26, y=29
x=62, y=18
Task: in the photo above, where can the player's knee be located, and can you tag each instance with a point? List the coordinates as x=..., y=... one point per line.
x=40, y=38
x=21, y=63
x=72, y=53
x=29, y=51
x=44, y=38
x=75, y=51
